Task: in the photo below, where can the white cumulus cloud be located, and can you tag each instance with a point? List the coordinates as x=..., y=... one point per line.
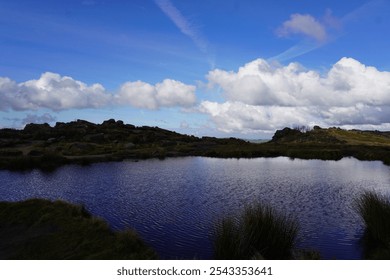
x=51, y=91
x=138, y=94
x=239, y=117
x=348, y=82
x=55, y=92
x=168, y=93
x=262, y=96
x=174, y=93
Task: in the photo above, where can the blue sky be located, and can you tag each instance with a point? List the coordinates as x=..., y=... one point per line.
x=220, y=68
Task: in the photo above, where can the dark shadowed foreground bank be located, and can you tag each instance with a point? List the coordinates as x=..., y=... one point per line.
x=41, y=229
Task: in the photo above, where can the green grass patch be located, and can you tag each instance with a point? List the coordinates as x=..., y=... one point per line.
x=368, y=138
x=41, y=229
x=259, y=232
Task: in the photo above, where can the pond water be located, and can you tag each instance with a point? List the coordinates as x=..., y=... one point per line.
x=174, y=203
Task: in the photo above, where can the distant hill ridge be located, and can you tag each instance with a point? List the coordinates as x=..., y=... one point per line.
x=82, y=142
x=332, y=135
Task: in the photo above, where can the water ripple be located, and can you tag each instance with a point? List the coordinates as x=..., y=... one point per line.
x=175, y=203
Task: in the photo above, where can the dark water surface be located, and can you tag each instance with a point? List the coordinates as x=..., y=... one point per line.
x=174, y=203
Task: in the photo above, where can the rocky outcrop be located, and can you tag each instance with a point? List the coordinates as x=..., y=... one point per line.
x=286, y=134
x=317, y=135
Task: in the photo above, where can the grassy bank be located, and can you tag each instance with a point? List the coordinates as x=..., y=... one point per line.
x=81, y=142
x=374, y=209
x=41, y=229
x=259, y=232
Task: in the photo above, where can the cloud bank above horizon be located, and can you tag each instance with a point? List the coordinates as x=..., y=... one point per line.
x=258, y=97
x=263, y=97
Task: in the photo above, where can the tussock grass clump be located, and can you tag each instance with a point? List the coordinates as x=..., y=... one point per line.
x=227, y=242
x=259, y=232
x=374, y=209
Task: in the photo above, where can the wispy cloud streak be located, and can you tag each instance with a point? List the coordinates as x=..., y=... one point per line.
x=305, y=46
x=299, y=49
x=183, y=24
